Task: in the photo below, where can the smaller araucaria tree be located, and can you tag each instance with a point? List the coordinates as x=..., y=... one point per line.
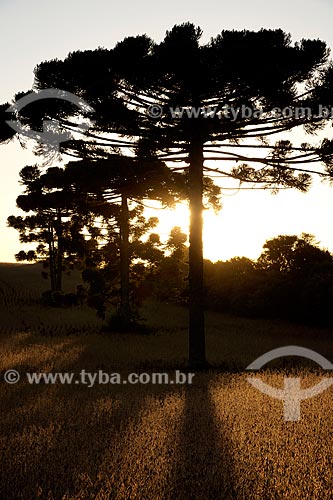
x=53, y=222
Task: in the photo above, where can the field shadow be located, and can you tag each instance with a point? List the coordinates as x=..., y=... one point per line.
x=62, y=443
x=204, y=463
x=54, y=437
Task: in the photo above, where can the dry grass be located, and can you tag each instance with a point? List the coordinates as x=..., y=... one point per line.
x=219, y=439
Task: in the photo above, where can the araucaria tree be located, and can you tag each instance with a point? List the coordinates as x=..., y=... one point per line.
x=55, y=222
x=194, y=104
x=117, y=181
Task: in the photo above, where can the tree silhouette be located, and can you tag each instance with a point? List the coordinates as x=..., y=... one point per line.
x=103, y=267
x=53, y=221
x=6, y=132
x=198, y=81
x=119, y=180
x=293, y=254
x=169, y=277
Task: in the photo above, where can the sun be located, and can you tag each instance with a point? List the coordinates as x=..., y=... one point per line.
x=223, y=238
x=249, y=218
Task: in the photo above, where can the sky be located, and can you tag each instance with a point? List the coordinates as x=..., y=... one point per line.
x=40, y=30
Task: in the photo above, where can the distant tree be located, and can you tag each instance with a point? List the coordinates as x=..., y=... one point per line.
x=230, y=284
x=293, y=254
x=103, y=272
x=52, y=222
x=169, y=278
x=294, y=280
x=118, y=181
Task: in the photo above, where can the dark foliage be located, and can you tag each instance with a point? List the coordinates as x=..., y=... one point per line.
x=292, y=279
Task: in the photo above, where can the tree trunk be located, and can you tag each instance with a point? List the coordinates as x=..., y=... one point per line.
x=124, y=310
x=60, y=252
x=51, y=258
x=197, y=354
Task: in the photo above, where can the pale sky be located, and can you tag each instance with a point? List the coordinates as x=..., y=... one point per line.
x=40, y=29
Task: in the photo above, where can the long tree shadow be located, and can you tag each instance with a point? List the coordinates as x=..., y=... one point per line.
x=204, y=466
x=75, y=441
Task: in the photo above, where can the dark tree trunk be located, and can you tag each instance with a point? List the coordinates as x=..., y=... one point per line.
x=124, y=310
x=51, y=258
x=197, y=354
x=60, y=252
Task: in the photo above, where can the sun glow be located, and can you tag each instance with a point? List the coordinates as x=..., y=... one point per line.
x=248, y=218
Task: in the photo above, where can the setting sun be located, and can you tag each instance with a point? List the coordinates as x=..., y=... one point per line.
x=248, y=218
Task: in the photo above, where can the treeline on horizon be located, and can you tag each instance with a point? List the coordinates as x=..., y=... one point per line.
x=292, y=280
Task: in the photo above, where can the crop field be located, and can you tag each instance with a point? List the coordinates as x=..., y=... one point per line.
x=216, y=439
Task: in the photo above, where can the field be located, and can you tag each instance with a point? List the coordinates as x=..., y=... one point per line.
x=217, y=439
